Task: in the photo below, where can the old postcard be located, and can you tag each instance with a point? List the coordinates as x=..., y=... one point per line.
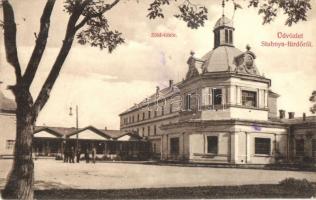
x=103, y=99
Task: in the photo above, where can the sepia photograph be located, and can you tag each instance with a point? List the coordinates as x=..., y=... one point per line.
x=157, y=99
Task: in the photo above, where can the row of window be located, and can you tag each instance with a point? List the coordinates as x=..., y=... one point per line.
x=262, y=145
x=214, y=96
x=141, y=117
x=228, y=37
x=146, y=130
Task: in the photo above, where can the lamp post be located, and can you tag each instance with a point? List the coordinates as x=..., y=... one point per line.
x=77, y=123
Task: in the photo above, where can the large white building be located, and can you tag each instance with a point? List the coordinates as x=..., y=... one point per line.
x=224, y=113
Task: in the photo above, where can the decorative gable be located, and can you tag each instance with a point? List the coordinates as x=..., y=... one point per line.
x=88, y=134
x=45, y=134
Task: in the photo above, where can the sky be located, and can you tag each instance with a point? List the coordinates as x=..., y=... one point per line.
x=104, y=85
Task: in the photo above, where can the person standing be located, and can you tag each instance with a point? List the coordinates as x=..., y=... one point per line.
x=72, y=155
x=94, y=152
x=86, y=156
x=65, y=154
x=78, y=154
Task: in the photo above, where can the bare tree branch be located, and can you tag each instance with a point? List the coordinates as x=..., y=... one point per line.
x=10, y=38
x=54, y=73
x=41, y=41
x=88, y=17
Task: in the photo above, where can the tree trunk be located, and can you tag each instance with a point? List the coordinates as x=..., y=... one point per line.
x=21, y=178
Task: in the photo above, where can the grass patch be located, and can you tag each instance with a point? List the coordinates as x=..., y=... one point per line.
x=245, y=191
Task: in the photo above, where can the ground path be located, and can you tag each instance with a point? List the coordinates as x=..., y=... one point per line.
x=56, y=174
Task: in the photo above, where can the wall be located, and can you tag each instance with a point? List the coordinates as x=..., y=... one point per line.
x=246, y=144
x=305, y=131
x=198, y=147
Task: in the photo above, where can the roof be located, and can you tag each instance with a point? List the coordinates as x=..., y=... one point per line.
x=299, y=120
x=62, y=131
x=220, y=59
x=67, y=132
x=223, y=21
x=6, y=105
x=163, y=94
x=273, y=94
x=95, y=130
x=114, y=133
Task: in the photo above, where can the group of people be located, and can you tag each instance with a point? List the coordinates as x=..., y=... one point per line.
x=70, y=154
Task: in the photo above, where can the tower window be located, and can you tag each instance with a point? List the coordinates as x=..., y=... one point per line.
x=216, y=39
x=217, y=95
x=226, y=36
x=231, y=36
x=249, y=98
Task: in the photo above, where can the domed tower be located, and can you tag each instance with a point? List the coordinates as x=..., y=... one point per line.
x=223, y=32
x=229, y=86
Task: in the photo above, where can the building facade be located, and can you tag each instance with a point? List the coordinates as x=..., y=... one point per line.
x=224, y=113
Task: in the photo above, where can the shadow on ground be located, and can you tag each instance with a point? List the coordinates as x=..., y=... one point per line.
x=245, y=191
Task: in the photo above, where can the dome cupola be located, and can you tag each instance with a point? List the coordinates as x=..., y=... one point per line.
x=223, y=32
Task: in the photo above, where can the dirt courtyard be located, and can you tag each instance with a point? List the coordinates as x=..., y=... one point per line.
x=52, y=174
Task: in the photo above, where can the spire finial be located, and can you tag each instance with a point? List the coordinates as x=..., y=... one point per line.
x=223, y=5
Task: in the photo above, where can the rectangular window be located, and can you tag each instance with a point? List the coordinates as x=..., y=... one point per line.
x=149, y=114
x=212, y=144
x=143, y=116
x=206, y=96
x=138, y=117
x=226, y=36
x=155, y=129
x=263, y=146
x=217, y=40
x=188, y=102
x=170, y=108
x=162, y=110
x=10, y=144
x=299, y=147
x=249, y=98
x=133, y=119
x=155, y=113
x=230, y=36
x=174, y=145
x=314, y=148
x=143, y=133
x=217, y=95
x=148, y=130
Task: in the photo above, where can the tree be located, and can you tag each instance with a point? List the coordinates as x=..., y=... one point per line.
x=312, y=99
x=89, y=25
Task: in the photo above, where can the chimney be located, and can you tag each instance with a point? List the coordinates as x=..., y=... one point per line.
x=105, y=128
x=170, y=83
x=282, y=114
x=304, y=116
x=291, y=115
